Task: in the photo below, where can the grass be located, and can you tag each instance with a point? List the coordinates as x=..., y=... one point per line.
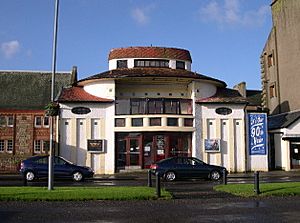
x=266, y=189
x=79, y=193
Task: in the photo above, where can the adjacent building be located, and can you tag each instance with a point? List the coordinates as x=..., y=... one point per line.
x=150, y=105
x=24, y=128
x=280, y=81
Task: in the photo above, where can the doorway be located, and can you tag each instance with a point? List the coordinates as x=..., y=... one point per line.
x=140, y=150
x=128, y=150
x=295, y=155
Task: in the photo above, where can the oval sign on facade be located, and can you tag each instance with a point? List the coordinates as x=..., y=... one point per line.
x=81, y=110
x=223, y=111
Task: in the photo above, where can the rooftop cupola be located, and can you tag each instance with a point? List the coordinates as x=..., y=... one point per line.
x=156, y=57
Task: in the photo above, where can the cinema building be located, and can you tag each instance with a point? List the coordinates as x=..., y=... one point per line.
x=148, y=106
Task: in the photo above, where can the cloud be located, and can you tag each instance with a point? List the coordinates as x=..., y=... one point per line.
x=11, y=48
x=229, y=13
x=141, y=14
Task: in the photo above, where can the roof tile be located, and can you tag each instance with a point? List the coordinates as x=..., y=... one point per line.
x=78, y=94
x=150, y=52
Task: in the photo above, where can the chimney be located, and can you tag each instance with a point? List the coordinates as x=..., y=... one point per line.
x=241, y=88
x=74, y=75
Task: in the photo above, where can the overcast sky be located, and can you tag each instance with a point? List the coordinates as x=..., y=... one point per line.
x=224, y=37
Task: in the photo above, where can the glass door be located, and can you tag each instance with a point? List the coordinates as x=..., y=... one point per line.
x=133, y=151
x=295, y=155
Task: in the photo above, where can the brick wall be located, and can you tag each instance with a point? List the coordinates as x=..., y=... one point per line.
x=23, y=134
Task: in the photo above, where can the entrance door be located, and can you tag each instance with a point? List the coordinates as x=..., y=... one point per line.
x=295, y=155
x=133, y=153
x=161, y=147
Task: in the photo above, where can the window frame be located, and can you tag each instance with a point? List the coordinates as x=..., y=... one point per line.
x=9, y=146
x=180, y=65
x=159, y=63
x=10, y=117
x=46, y=118
x=3, y=121
x=37, y=142
x=122, y=64
x=35, y=121
x=2, y=145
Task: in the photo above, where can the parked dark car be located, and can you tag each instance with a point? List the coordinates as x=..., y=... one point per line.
x=186, y=167
x=37, y=167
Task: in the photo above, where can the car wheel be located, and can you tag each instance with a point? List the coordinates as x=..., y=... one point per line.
x=77, y=176
x=29, y=175
x=215, y=175
x=170, y=176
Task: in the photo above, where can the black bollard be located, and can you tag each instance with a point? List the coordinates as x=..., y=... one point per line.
x=256, y=182
x=224, y=176
x=157, y=184
x=149, y=178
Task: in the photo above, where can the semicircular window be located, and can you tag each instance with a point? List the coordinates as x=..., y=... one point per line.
x=81, y=110
x=223, y=111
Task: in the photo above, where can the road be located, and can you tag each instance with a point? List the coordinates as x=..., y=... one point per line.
x=229, y=209
x=194, y=201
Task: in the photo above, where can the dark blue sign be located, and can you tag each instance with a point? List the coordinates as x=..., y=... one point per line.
x=257, y=134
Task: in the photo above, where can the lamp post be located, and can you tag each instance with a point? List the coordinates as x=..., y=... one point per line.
x=51, y=148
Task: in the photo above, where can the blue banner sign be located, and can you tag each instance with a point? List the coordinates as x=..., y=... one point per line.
x=257, y=133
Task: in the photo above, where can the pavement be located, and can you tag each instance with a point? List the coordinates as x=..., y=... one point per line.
x=143, y=175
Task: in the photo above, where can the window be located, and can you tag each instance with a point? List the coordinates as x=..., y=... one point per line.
x=38, y=121
x=188, y=122
x=122, y=64
x=10, y=146
x=123, y=107
x=270, y=60
x=171, y=106
x=155, y=121
x=141, y=106
x=37, y=146
x=137, y=122
x=151, y=63
x=155, y=106
x=138, y=106
x=46, y=146
x=120, y=122
x=186, y=106
x=2, y=145
x=46, y=121
x=2, y=121
x=43, y=160
x=172, y=121
x=180, y=65
x=10, y=121
x=272, y=91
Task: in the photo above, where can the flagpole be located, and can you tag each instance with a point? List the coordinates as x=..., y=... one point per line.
x=51, y=118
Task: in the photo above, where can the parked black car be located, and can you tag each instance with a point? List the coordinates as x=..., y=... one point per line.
x=37, y=167
x=186, y=167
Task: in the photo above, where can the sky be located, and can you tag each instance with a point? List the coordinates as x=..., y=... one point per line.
x=225, y=37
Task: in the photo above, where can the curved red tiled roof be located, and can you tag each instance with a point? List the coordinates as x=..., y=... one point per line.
x=224, y=95
x=78, y=94
x=150, y=52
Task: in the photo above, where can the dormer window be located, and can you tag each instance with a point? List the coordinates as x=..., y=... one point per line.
x=122, y=64
x=180, y=65
x=151, y=63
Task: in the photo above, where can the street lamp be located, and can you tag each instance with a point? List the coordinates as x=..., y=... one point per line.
x=51, y=152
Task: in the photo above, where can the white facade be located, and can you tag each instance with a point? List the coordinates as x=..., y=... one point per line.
x=183, y=131
x=75, y=130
